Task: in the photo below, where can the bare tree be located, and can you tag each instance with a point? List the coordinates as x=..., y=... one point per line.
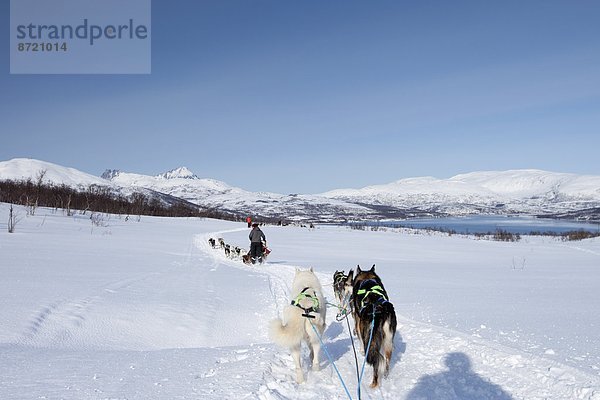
x=12, y=220
x=88, y=201
x=68, y=205
x=521, y=262
x=98, y=219
x=39, y=178
x=30, y=205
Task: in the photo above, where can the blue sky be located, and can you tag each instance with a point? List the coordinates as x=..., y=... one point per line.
x=308, y=96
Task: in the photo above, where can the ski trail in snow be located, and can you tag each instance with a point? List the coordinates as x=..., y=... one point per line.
x=424, y=364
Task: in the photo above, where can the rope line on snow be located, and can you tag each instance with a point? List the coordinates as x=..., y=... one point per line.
x=355, y=356
x=359, y=376
x=366, y=353
x=330, y=359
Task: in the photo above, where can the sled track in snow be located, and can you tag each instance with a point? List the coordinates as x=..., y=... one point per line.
x=279, y=377
x=425, y=360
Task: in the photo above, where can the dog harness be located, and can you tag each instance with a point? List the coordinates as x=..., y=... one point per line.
x=303, y=295
x=375, y=289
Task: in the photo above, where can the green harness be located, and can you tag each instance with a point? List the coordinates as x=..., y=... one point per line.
x=303, y=295
x=377, y=289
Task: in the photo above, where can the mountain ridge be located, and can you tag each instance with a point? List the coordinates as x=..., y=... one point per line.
x=529, y=191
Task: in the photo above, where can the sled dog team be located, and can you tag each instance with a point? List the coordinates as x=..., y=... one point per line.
x=304, y=318
x=234, y=252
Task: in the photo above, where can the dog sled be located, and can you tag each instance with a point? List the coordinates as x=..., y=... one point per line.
x=266, y=252
x=249, y=260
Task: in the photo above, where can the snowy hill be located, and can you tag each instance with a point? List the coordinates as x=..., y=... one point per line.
x=181, y=183
x=24, y=168
x=519, y=191
x=526, y=191
x=493, y=192
x=214, y=194
x=532, y=183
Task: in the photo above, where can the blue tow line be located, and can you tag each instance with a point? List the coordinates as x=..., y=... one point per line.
x=366, y=353
x=331, y=360
x=333, y=363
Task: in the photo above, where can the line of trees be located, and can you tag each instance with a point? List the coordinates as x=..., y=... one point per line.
x=95, y=198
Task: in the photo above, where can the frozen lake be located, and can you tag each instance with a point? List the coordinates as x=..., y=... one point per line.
x=484, y=224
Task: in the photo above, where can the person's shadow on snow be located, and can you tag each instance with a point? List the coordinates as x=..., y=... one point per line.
x=459, y=382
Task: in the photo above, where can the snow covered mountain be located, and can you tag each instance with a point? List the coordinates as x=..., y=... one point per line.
x=24, y=168
x=214, y=194
x=493, y=192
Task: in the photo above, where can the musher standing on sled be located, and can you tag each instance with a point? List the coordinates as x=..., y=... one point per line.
x=256, y=247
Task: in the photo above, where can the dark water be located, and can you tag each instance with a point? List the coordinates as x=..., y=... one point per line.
x=485, y=224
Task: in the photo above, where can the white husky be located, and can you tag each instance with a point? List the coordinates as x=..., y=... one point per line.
x=307, y=307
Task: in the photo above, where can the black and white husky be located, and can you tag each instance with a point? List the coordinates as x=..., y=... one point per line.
x=307, y=309
x=342, y=289
x=339, y=286
x=372, y=310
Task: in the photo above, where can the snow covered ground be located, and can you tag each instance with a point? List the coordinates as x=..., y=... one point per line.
x=146, y=310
